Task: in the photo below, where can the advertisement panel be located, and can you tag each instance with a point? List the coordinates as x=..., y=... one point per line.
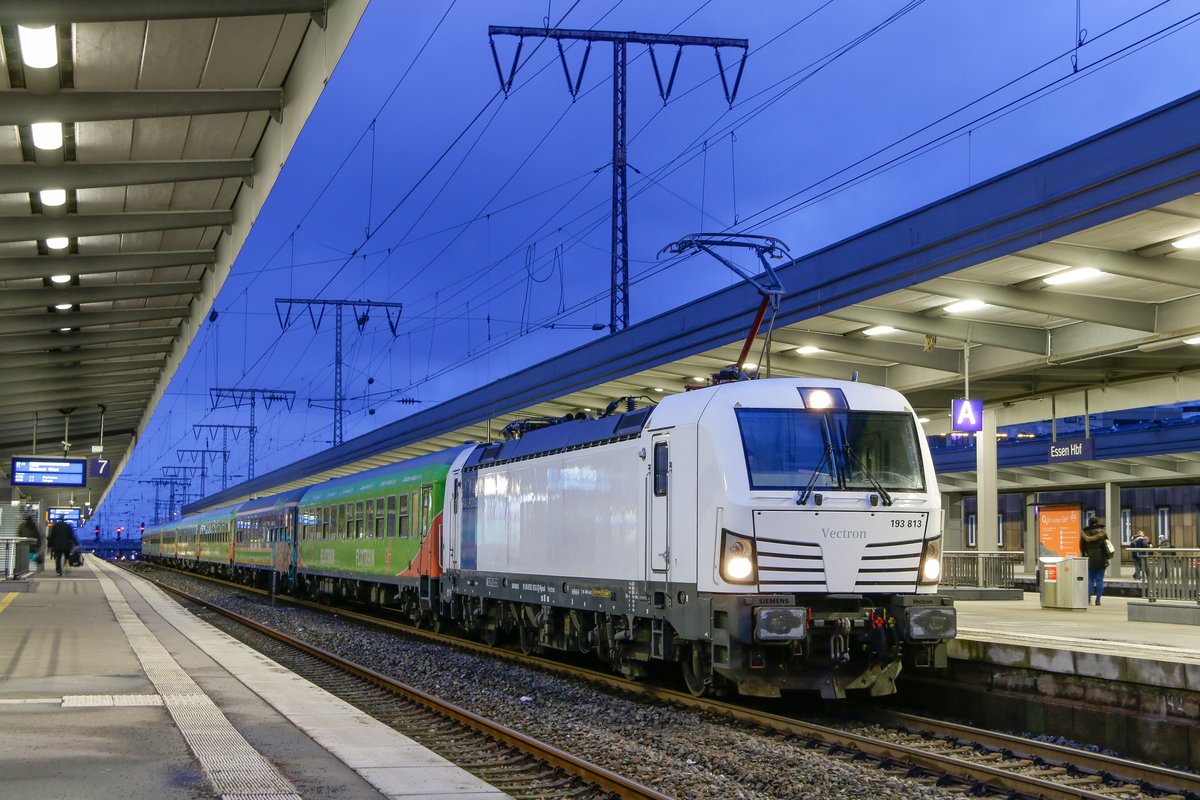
x=1058, y=529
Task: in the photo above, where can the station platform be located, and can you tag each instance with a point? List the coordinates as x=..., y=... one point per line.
x=1090, y=675
x=109, y=688
x=1099, y=641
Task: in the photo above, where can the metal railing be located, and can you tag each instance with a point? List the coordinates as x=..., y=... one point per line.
x=14, y=556
x=1171, y=573
x=970, y=568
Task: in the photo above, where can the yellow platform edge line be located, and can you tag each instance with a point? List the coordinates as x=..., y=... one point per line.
x=8, y=598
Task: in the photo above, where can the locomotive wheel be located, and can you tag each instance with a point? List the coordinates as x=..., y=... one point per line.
x=490, y=635
x=698, y=685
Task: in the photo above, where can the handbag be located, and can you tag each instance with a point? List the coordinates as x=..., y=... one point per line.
x=1108, y=547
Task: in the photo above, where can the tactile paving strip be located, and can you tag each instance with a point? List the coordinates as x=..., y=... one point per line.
x=235, y=769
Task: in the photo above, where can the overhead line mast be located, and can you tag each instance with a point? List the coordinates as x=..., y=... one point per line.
x=225, y=429
x=362, y=313
x=233, y=398
x=619, y=292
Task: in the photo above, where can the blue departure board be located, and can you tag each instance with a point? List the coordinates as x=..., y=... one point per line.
x=32, y=471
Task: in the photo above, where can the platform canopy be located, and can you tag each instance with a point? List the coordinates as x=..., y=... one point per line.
x=1120, y=205
x=137, y=142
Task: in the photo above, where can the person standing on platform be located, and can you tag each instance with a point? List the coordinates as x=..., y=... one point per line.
x=29, y=529
x=1093, y=543
x=1140, y=542
x=61, y=542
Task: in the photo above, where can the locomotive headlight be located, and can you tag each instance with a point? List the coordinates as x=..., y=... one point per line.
x=932, y=570
x=931, y=561
x=737, y=558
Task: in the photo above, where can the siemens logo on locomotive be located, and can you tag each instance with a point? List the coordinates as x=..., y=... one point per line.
x=842, y=533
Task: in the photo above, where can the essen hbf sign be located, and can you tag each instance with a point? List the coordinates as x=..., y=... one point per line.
x=1072, y=450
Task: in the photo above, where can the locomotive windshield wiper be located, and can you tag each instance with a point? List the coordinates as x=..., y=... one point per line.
x=827, y=455
x=853, y=456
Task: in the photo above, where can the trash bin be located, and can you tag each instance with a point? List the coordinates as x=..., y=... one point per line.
x=1064, y=582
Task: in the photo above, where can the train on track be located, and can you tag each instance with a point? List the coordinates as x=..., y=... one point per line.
x=766, y=535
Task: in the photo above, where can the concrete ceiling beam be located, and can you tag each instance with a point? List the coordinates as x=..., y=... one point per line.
x=20, y=107
x=1013, y=337
x=18, y=268
x=40, y=342
x=1171, y=271
x=28, y=177
x=49, y=296
x=50, y=322
x=64, y=12
x=32, y=228
x=1120, y=313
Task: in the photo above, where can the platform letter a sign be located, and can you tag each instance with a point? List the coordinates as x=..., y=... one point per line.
x=966, y=415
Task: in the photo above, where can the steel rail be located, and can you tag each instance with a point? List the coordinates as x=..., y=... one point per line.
x=599, y=776
x=1158, y=778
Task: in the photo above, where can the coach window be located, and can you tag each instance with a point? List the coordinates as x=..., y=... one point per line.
x=340, y=528
x=972, y=529
x=369, y=519
x=1126, y=525
x=358, y=519
x=661, y=466
x=402, y=516
x=390, y=528
x=380, y=520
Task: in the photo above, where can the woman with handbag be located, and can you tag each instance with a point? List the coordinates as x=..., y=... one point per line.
x=1094, y=544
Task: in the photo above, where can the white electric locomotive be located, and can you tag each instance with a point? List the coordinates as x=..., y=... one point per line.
x=770, y=534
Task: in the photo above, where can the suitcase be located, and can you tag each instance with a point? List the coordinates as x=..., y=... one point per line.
x=75, y=559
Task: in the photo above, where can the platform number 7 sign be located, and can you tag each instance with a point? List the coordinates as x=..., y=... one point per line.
x=98, y=468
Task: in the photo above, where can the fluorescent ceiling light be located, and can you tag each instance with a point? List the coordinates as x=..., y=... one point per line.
x=1073, y=276
x=922, y=420
x=807, y=350
x=53, y=197
x=63, y=306
x=699, y=379
x=47, y=135
x=1187, y=242
x=39, y=46
x=60, y=278
x=879, y=330
x=659, y=389
x=963, y=306
x=749, y=366
x=64, y=330
x=57, y=242
x=1192, y=340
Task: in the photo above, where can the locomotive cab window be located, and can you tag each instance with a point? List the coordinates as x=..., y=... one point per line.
x=789, y=448
x=662, y=466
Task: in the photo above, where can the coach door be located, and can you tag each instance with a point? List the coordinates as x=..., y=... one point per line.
x=660, y=499
x=451, y=522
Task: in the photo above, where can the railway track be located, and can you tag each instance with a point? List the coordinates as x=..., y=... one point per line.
x=519, y=765
x=957, y=757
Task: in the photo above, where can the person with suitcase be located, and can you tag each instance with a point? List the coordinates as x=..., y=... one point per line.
x=61, y=542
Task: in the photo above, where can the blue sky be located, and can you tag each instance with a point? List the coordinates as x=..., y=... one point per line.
x=416, y=181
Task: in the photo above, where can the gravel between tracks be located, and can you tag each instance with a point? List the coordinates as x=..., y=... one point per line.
x=688, y=755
